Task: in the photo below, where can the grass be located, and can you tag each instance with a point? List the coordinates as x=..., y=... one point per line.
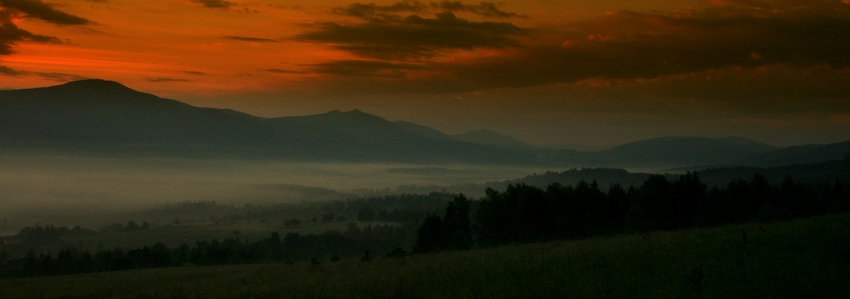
x=796, y=259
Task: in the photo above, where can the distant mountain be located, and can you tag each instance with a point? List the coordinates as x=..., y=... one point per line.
x=490, y=138
x=97, y=117
x=575, y=146
x=803, y=154
x=104, y=118
x=422, y=130
x=377, y=138
x=682, y=151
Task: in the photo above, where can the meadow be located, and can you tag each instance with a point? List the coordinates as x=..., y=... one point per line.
x=805, y=258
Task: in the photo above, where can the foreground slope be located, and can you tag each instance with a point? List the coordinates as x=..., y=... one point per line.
x=796, y=259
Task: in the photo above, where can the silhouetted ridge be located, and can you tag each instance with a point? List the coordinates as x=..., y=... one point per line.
x=98, y=84
x=490, y=138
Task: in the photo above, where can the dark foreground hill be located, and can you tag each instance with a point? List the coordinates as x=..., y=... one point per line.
x=796, y=259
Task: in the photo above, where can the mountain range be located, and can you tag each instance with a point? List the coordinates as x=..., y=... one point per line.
x=105, y=118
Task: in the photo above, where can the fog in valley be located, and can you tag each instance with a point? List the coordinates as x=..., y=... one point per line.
x=86, y=191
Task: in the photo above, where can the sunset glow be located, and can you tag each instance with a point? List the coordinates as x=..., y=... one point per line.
x=596, y=73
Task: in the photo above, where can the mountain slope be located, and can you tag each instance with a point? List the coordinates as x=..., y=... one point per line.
x=97, y=114
x=490, y=138
x=802, y=154
x=377, y=138
x=682, y=151
x=97, y=117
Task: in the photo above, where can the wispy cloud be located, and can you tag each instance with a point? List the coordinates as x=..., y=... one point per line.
x=282, y=71
x=620, y=45
x=486, y=9
x=43, y=11
x=214, y=3
x=165, y=79
x=11, y=33
x=372, y=11
x=251, y=39
x=413, y=36
x=60, y=77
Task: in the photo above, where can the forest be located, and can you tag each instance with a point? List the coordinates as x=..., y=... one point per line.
x=529, y=214
x=416, y=224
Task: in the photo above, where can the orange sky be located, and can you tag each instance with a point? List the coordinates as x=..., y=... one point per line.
x=544, y=71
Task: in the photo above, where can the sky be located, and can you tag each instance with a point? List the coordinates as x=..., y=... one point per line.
x=558, y=72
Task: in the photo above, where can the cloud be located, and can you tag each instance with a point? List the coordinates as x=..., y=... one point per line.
x=366, y=68
x=43, y=11
x=164, y=79
x=251, y=39
x=485, y=9
x=14, y=9
x=414, y=36
x=9, y=72
x=61, y=77
x=214, y=3
x=282, y=71
x=374, y=12
x=620, y=45
x=10, y=34
x=194, y=73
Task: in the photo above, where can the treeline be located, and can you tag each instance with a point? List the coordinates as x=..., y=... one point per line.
x=524, y=213
x=332, y=245
x=54, y=238
x=401, y=208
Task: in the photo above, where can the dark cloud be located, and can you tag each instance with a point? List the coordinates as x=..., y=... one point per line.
x=282, y=71
x=251, y=39
x=10, y=72
x=214, y=3
x=366, y=68
x=164, y=79
x=374, y=12
x=486, y=9
x=41, y=10
x=11, y=34
x=194, y=73
x=414, y=36
x=6, y=71
x=60, y=77
x=621, y=45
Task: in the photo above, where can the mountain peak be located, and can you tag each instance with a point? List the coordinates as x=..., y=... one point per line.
x=96, y=84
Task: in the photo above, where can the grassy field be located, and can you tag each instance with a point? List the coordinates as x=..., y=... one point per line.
x=174, y=235
x=798, y=259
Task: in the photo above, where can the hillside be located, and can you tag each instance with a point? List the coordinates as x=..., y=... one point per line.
x=102, y=117
x=106, y=119
x=490, y=138
x=795, y=259
x=683, y=151
x=802, y=154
